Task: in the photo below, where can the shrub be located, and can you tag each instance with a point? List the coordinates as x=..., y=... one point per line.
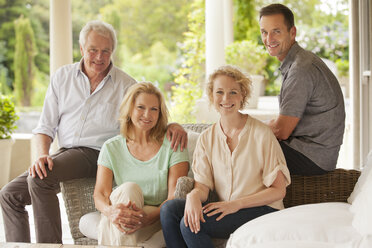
x=248, y=55
x=8, y=117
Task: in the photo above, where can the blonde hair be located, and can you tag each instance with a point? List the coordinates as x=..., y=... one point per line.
x=126, y=108
x=235, y=73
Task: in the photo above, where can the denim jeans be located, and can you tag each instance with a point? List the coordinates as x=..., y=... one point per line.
x=177, y=235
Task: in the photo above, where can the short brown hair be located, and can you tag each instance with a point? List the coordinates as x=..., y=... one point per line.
x=126, y=125
x=235, y=73
x=278, y=8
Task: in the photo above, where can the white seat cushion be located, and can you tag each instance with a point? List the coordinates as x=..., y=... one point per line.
x=328, y=223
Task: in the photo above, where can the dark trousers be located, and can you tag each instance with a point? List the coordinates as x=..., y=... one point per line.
x=42, y=194
x=299, y=164
x=177, y=235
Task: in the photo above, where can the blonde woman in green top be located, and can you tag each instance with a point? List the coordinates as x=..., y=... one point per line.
x=142, y=163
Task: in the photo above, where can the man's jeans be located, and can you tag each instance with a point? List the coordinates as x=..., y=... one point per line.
x=177, y=235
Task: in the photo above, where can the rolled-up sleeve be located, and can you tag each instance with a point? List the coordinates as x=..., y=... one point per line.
x=201, y=165
x=274, y=161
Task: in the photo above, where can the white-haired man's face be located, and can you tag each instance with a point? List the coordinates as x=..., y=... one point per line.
x=96, y=54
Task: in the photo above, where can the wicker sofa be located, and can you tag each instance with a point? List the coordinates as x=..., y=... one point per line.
x=335, y=186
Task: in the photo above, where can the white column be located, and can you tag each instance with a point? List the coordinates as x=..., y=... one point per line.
x=215, y=35
x=228, y=22
x=60, y=34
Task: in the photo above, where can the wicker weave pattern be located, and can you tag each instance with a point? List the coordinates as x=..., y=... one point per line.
x=78, y=197
x=333, y=187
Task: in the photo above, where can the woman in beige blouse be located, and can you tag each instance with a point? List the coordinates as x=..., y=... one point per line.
x=238, y=157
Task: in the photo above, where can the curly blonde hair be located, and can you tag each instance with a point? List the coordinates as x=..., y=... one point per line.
x=235, y=73
x=126, y=125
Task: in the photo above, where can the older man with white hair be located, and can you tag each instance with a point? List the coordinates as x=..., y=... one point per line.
x=81, y=106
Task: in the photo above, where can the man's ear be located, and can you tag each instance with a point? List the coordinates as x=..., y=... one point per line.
x=81, y=51
x=293, y=32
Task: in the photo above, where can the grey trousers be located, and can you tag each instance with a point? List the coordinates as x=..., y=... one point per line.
x=24, y=190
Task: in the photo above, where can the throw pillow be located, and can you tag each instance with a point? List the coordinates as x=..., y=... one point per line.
x=367, y=169
x=361, y=208
x=322, y=222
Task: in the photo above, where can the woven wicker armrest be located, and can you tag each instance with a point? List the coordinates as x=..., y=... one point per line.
x=335, y=186
x=78, y=197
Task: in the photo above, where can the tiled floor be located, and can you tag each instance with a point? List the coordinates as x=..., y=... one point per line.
x=66, y=235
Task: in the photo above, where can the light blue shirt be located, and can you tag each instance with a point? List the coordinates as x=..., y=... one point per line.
x=150, y=175
x=78, y=117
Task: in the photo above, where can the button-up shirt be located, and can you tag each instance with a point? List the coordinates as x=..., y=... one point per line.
x=77, y=116
x=312, y=93
x=252, y=166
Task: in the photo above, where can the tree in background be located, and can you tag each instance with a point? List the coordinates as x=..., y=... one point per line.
x=191, y=72
x=25, y=50
x=9, y=11
x=148, y=33
x=4, y=87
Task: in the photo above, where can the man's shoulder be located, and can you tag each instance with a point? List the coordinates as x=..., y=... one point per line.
x=67, y=69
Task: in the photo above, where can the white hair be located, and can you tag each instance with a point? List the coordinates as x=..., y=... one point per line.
x=102, y=28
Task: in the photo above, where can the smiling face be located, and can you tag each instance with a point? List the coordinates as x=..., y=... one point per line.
x=227, y=96
x=145, y=112
x=96, y=54
x=275, y=35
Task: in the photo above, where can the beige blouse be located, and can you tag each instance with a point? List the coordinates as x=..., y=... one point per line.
x=249, y=169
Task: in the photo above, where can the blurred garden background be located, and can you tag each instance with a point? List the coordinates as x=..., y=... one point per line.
x=162, y=41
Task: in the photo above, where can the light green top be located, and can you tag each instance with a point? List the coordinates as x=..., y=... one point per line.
x=151, y=175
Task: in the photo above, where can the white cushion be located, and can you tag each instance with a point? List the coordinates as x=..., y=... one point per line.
x=322, y=222
x=192, y=138
x=362, y=208
x=88, y=224
x=295, y=244
x=367, y=169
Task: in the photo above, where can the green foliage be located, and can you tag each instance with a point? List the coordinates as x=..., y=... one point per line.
x=25, y=50
x=155, y=68
x=143, y=22
x=4, y=88
x=273, y=83
x=342, y=67
x=9, y=11
x=330, y=41
x=191, y=74
x=41, y=83
x=39, y=17
x=245, y=21
x=248, y=55
x=38, y=13
x=8, y=117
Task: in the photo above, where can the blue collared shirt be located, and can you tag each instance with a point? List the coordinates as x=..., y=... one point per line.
x=78, y=117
